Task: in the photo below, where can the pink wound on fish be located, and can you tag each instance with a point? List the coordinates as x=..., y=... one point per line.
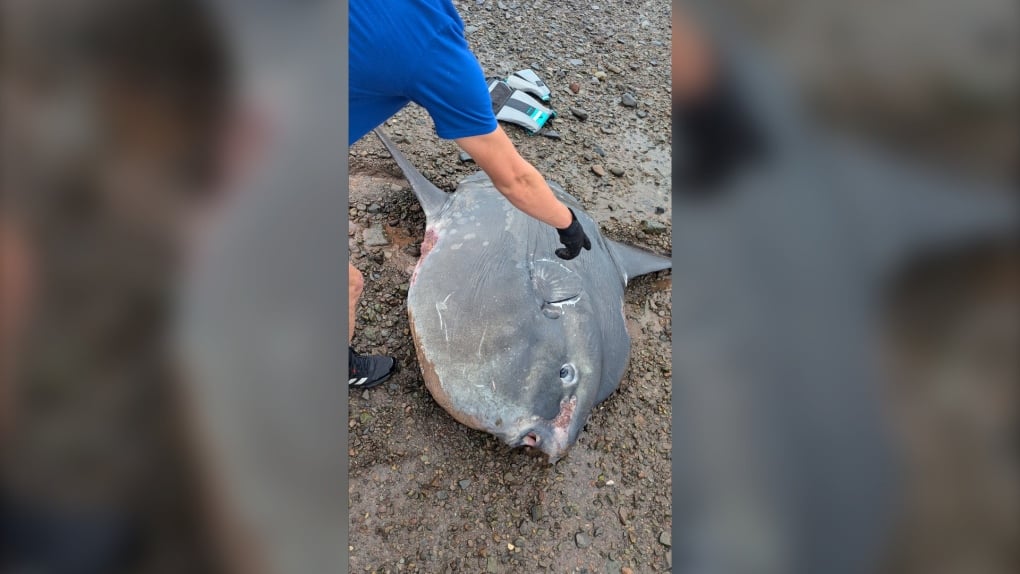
x=562, y=420
x=427, y=243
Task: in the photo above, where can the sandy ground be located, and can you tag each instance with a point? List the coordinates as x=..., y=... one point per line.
x=430, y=495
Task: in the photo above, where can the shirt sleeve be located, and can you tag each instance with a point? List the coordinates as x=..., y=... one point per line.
x=451, y=86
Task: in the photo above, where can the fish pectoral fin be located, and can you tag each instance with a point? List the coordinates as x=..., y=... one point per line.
x=554, y=282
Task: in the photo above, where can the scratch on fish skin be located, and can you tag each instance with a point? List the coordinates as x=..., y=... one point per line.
x=482, y=340
x=440, y=307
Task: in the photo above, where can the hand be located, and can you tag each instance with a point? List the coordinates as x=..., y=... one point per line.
x=573, y=238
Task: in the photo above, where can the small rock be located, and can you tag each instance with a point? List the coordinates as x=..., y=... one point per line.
x=600, y=75
x=626, y=570
x=537, y=512
x=464, y=484
x=624, y=515
x=628, y=100
x=642, y=114
x=599, y=150
x=666, y=538
x=652, y=227
x=465, y=157
x=374, y=208
x=491, y=565
x=613, y=69
x=616, y=170
x=575, y=87
x=375, y=236
x=551, y=134
x=612, y=567
x=470, y=29
x=598, y=170
x=581, y=540
x=660, y=210
x=579, y=113
x=576, y=62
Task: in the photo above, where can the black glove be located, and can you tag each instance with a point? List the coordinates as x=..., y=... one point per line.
x=573, y=238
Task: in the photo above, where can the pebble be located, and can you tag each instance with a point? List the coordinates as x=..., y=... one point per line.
x=374, y=208
x=616, y=170
x=628, y=100
x=598, y=170
x=642, y=113
x=551, y=134
x=375, y=236
x=464, y=484
x=465, y=157
x=470, y=29
x=612, y=567
x=579, y=113
x=666, y=538
x=600, y=75
x=652, y=227
x=537, y=513
x=660, y=210
x=575, y=87
x=614, y=69
x=626, y=570
x=576, y=62
x=582, y=541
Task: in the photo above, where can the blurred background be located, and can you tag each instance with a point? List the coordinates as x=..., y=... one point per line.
x=112, y=116
x=937, y=81
x=933, y=84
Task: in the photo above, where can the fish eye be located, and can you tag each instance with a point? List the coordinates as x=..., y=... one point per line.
x=568, y=374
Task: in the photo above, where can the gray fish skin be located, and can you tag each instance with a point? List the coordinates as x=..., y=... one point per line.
x=497, y=318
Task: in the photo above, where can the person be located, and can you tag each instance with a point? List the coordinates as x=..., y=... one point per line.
x=402, y=52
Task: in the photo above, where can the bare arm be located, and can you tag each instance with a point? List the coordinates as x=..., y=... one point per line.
x=515, y=178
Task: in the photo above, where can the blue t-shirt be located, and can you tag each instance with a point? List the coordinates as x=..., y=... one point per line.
x=405, y=51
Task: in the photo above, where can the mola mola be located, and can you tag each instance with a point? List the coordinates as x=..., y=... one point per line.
x=511, y=339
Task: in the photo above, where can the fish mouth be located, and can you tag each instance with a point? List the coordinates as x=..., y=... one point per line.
x=551, y=438
x=538, y=442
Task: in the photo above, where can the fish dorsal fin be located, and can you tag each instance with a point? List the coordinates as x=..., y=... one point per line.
x=634, y=262
x=429, y=196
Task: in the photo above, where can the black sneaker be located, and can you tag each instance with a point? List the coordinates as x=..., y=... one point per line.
x=367, y=371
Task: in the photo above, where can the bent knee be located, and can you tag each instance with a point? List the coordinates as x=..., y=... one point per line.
x=355, y=281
